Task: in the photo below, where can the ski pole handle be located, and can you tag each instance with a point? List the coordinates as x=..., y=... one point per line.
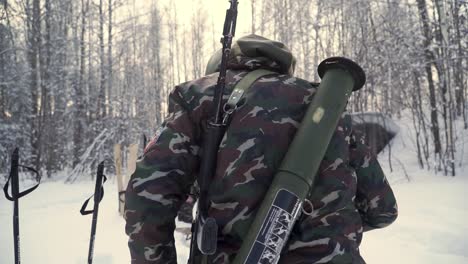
x=16, y=195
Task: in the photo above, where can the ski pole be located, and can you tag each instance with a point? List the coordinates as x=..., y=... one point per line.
x=14, y=192
x=98, y=195
x=15, y=196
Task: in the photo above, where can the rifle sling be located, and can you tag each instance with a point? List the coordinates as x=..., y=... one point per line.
x=232, y=104
x=243, y=86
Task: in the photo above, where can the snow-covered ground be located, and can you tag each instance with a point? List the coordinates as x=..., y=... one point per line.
x=432, y=227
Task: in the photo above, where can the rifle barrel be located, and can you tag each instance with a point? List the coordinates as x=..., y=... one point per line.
x=208, y=236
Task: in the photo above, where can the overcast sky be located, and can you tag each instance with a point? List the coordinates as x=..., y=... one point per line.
x=216, y=10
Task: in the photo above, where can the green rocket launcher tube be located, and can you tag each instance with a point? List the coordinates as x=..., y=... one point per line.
x=282, y=204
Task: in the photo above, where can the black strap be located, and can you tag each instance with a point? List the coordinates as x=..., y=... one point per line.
x=83, y=210
x=240, y=89
x=122, y=196
x=21, y=194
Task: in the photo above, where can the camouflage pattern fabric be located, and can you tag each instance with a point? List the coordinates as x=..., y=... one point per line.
x=185, y=213
x=351, y=194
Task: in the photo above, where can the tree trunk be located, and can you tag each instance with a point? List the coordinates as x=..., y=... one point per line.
x=80, y=107
x=110, y=73
x=177, y=55
x=253, y=16
x=445, y=77
x=429, y=58
x=102, y=77
x=460, y=87
x=34, y=41
x=155, y=36
x=46, y=97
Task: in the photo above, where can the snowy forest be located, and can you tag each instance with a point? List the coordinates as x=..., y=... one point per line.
x=77, y=77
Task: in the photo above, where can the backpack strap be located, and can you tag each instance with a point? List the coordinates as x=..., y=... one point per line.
x=241, y=88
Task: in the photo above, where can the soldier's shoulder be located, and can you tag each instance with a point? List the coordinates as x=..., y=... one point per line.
x=290, y=81
x=197, y=86
x=194, y=92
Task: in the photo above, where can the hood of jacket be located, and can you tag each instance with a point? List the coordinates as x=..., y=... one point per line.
x=253, y=52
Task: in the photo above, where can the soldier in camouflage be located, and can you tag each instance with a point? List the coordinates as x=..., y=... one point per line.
x=351, y=194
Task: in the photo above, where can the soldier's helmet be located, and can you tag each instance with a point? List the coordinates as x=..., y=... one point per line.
x=214, y=63
x=254, y=46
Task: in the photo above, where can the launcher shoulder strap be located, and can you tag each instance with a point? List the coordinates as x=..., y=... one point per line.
x=242, y=87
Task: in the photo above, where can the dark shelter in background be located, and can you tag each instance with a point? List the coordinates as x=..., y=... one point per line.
x=378, y=129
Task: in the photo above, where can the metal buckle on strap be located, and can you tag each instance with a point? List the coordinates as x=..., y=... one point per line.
x=234, y=99
x=228, y=111
x=309, y=212
x=239, y=90
x=232, y=104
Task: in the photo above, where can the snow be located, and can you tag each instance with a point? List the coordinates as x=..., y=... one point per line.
x=432, y=226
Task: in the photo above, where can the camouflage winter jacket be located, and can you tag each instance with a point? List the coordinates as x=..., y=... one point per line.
x=351, y=194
